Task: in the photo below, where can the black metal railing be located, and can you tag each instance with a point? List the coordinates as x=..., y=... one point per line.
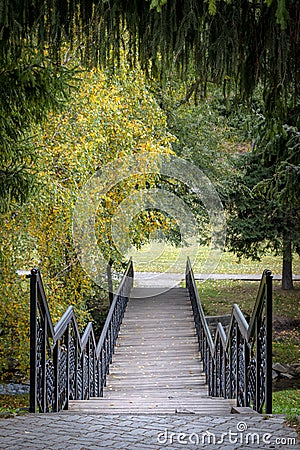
x=63, y=365
x=238, y=364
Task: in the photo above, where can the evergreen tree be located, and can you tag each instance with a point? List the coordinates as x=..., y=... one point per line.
x=29, y=87
x=260, y=221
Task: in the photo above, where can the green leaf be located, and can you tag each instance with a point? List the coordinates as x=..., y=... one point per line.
x=212, y=7
x=282, y=14
x=157, y=4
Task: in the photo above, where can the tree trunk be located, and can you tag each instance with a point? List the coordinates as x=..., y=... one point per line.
x=287, y=272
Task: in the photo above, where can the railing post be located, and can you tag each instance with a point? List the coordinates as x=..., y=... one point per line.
x=33, y=340
x=269, y=301
x=106, y=347
x=213, y=377
x=82, y=376
x=94, y=392
x=258, y=365
x=237, y=368
x=221, y=372
x=230, y=368
x=109, y=281
x=226, y=374
x=44, y=365
x=67, y=366
x=97, y=374
x=102, y=371
x=76, y=362
x=89, y=368
x=56, y=372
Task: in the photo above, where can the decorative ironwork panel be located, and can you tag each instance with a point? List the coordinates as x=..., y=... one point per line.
x=79, y=380
x=227, y=377
x=233, y=361
x=39, y=366
x=92, y=357
x=262, y=366
x=71, y=367
x=62, y=376
x=251, y=378
x=50, y=385
x=240, y=365
x=85, y=373
x=241, y=374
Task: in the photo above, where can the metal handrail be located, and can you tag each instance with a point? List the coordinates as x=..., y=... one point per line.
x=238, y=317
x=238, y=364
x=191, y=284
x=62, y=324
x=64, y=365
x=120, y=292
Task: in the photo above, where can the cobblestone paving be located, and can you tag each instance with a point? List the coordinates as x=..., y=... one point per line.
x=133, y=432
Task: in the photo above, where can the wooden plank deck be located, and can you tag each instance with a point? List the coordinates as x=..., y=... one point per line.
x=156, y=366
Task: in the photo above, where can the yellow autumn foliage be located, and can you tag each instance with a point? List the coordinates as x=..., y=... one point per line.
x=105, y=118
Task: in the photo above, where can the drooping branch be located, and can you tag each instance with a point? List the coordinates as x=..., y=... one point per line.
x=241, y=41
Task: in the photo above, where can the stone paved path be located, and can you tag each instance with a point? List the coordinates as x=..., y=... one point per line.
x=65, y=430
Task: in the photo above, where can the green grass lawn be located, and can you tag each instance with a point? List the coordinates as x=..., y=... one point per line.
x=219, y=296
x=159, y=257
x=287, y=402
x=11, y=405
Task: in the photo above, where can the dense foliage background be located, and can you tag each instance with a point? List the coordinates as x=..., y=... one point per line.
x=216, y=82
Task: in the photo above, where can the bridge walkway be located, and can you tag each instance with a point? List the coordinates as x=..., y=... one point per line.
x=156, y=366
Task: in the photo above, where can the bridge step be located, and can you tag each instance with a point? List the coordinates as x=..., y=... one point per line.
x=156, y=366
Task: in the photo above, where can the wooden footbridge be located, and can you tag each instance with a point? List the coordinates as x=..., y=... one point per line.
x=156, y=354
x=156, y=366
